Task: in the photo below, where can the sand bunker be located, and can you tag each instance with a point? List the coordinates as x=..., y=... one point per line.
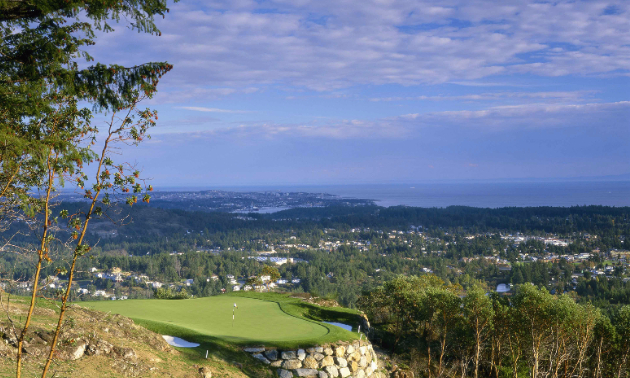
x=180, y=343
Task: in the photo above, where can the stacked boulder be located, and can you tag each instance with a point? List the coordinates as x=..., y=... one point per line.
x=357, y=360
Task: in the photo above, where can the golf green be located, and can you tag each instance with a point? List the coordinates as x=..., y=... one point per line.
x=254, y=319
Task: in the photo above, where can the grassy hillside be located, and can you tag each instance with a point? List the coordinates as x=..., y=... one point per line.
x=151, y=355
x=261, y=318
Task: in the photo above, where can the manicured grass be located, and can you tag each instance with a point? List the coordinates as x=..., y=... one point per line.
x=268, y=318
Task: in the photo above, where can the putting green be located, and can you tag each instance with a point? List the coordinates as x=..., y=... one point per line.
x=255, y=320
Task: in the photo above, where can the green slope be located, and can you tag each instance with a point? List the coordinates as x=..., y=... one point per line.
x=257, y=321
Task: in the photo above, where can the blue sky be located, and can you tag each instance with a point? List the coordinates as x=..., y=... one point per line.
x=384, y=91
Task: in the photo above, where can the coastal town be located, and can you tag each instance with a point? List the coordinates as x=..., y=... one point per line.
x=449, y=254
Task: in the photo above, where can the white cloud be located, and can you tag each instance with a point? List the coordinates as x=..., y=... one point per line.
x=607, y=117
x=210, y=110
x=325, y=44
x=557, y=96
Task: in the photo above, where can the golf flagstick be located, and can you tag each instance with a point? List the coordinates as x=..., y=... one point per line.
x=233, y=309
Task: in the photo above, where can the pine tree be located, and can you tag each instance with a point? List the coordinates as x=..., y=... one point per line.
x=41, y=45
x=46, y=132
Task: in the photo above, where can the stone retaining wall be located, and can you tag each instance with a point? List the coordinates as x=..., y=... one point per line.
x=356, y=359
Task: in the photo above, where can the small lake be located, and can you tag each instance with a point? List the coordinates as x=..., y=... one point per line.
x=180, y=343
x=341, y=325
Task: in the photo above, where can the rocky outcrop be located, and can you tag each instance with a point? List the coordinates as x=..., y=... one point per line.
x=204, y=372
x=356, y=360
x=284, y=373
x=92, y=334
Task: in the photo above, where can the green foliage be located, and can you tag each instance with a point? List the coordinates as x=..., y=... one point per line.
x=42, y=88
x=167, y=293
x=503, y=336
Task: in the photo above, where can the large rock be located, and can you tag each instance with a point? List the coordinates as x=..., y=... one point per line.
x=327, y=361
x=125, y=353
x=306, y=372
x=292, y=364
x=363, y=350
x=301, y=354
x=342, y=362
x=363, y=362
x=354, y=367
x=350, y=349
x=356, y=356
x=35, y=350
x=344, y=372
x=254, y=350
x=261, y=358
x=360, y=374
x=77, y=351
x=340, y=351
x=284, y=373
x=276, y=363
x=332, y=371
x=204, y=372
x=98, y=347
x=310, y=363
x=289, y=355
x=369, y=371
x=318, y=356
x=322, y=374
x=45, y=335
x=328, y=351
x=272, y=355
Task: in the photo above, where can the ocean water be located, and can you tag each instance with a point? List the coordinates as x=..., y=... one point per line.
x=520, y=194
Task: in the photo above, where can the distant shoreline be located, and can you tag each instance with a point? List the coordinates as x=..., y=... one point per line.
x=482, y=195
x=475, y=194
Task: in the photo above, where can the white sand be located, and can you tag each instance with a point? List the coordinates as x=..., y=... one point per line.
x=177, y=342
x=341, y=325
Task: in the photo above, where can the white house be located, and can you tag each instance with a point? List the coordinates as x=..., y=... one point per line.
x=236, y=288
x=188, y=282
